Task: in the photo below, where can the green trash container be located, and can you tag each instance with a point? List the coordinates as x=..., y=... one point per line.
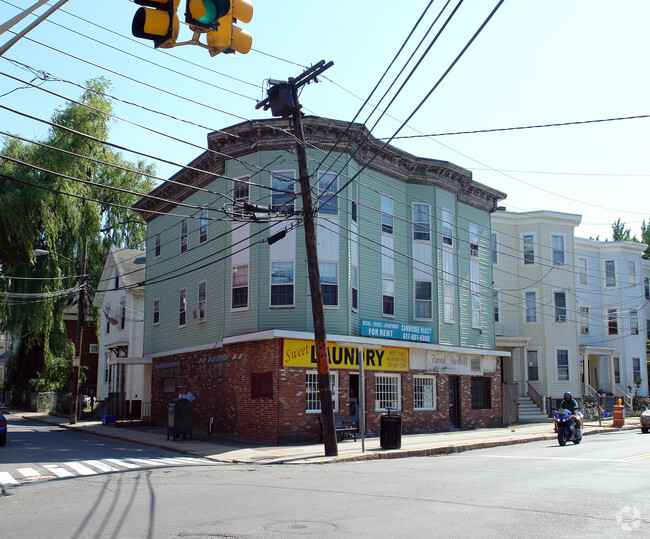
x=179, y=418
x=390, y=433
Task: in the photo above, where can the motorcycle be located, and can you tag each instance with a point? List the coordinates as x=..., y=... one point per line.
x=566, y=427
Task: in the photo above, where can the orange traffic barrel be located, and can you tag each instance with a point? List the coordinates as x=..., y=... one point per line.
x=619, y=415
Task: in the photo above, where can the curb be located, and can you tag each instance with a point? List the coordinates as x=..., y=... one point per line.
x=391, y=454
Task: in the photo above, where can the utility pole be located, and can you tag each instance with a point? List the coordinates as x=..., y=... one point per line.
x=283, y=100
x=76, y=362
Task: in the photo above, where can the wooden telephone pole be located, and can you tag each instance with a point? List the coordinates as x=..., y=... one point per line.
x=283, y=101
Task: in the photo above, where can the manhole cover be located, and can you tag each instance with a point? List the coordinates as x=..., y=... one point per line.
x=300, y=528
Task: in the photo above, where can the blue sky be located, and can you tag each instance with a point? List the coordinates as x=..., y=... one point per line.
x=534, y=63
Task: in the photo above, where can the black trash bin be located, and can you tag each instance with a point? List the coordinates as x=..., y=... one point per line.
x=390, y=434
x=179, y=418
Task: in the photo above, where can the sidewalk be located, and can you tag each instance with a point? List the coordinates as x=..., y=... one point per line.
x=221, y=450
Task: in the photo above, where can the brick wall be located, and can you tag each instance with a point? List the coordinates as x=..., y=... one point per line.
x=253, y=398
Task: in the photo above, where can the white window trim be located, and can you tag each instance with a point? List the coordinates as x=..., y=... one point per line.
x=241, y=180
x=179, y=307
x=338, y=287
x=416, y=224
x=605, y=285
x=289, y=173
x=157, y=237
x=564, y=249
x=539, y=369
x=586, y=274
x=93, y=348
x=203, y=222
x=153, y=310
x=450, y=222
x=293, y=300
x=232, y=289
x=435, y=391
x=391, y=215
x=334, y=383
x=566, y=306
x=399, y=391
x=618, y=322
x=580, y=320
x=198, y=303
x=186, y=235
x=322, y=173
x=415, y=299
x=493, y=250
x=631, y=277
x=537, y=306
x=473, y=230
x=523, y=253
x=557, y=370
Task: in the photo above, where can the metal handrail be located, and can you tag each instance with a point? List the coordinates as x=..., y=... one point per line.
x=621, y=393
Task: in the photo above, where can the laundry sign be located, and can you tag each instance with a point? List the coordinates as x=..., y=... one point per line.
x=299, y=353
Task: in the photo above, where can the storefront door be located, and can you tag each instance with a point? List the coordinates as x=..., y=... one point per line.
x=454, y=402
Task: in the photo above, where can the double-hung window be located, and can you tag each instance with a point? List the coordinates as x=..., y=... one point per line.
x=610, y=273
x=557, y=248
x=533, y=365
x=636, y=369
x=202, y=306
x=447, y=227
x=354, y=278
x=156, y=312
x=281, y=284
x=529, y=248
x=612, y=321
x=631, y=273
x=617, y=370
x=203, y=226
x=584, y=321
x=559, y=306
x=634, y=322
x=473, y=240
x=123, y=313
x=184, y=235
x=283, y=193
x=240, y=286
x=327, y=188
x=386, y=215
x=474, y=275
x=497, y=299
x=562, y=358
x=421, y=222
x=582, y=271
x=494, y=241
x=158, y=245
x=329, y=283
x=423, y=300
x=182, y=307
x=531, y=306
x=646, y=287
x=388, y=296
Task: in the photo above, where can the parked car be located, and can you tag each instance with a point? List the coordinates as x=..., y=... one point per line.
x=645, y=421
x=3, y=430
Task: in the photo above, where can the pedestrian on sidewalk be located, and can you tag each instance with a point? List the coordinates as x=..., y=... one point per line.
x=186, y=394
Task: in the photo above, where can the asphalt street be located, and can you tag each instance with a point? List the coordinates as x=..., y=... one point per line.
x=535, y=490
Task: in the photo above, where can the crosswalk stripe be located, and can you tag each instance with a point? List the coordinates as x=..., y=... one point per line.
x=100, y=466
x=123, y=463
x=6, y=479
x=29, y=473
x=191, y=460
x=80, y=468
x=148, y=462
x=58, y=471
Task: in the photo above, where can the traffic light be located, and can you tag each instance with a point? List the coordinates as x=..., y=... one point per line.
x=228, y=37
x=159, y=24
x=204, y=15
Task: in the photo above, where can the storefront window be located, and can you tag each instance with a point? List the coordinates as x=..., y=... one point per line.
x=312, y=400
x=387, y=392
x=424, y=392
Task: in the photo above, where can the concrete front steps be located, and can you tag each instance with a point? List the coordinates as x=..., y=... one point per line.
x=529, y=412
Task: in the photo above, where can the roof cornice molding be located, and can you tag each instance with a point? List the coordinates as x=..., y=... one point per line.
x=327, y=135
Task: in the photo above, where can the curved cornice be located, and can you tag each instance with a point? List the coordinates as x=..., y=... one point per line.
x=324, y=134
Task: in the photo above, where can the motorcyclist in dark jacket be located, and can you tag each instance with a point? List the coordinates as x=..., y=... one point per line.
x=569, y=403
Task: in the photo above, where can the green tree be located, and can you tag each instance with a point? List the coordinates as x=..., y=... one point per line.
x=41, y=207
x=620, y=233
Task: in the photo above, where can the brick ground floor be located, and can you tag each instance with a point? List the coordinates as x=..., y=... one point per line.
x=264, y=389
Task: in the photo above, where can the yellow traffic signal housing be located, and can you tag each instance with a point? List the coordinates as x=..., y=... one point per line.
x=159, y=24
x=228, y=37
x=204, y=15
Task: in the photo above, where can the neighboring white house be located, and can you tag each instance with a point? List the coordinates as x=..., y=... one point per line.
x=535, y=302
x=612, y=306
x=645, y=272
x=123, y=373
